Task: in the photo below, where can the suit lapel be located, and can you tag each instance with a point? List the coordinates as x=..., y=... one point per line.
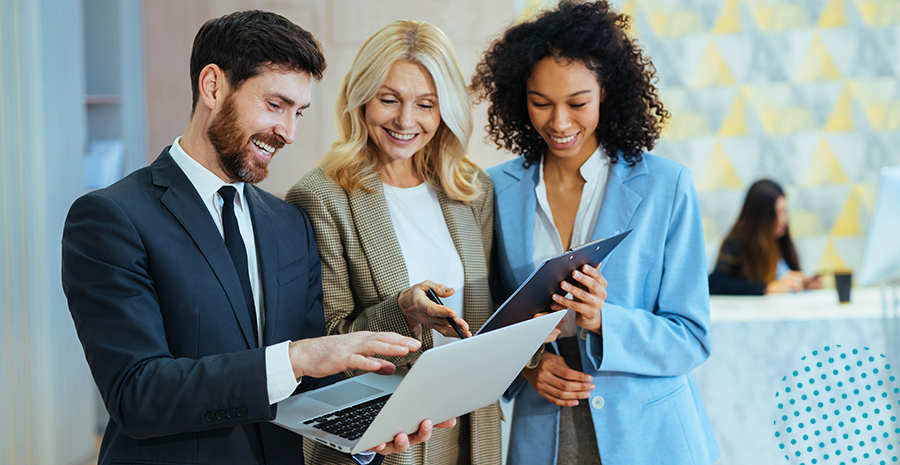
x=518, y=202
x=619, y=201
x=466, y=235
x=377, y=238
x=267, y=252
x=182, y=200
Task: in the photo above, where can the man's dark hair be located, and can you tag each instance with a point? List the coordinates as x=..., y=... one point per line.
x=246, y=43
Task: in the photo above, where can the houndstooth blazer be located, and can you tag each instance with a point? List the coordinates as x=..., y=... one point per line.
x=363, y=272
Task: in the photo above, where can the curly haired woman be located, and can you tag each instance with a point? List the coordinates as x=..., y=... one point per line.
x=573, y=95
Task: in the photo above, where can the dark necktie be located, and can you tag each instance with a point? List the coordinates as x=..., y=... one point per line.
x=235, y=243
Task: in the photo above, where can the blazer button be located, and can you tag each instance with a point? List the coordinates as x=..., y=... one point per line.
x=583, y=334
x=241, y=412
x=597, y=402
x=220, y=415
x=230, y=413
x=209, y=417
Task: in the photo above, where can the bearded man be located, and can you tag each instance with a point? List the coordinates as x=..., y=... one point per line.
x=196, y=295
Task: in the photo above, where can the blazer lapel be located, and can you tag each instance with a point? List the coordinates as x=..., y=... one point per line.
x=377, y=238
x=466, y=237
x=267, y=252
x=517, y=200
x=619, y=201
x=182, y=200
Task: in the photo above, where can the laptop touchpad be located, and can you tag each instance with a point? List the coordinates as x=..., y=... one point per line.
x=347, y=392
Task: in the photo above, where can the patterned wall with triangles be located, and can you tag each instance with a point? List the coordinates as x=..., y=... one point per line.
x=803, y=92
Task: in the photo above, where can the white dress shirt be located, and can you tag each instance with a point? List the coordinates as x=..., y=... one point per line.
x=547, y=242
x=280, y=378
x=425, y=241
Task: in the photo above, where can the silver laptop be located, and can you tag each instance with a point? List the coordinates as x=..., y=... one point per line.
x=360, y=413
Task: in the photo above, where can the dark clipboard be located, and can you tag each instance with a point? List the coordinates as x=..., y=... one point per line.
x=535, y=294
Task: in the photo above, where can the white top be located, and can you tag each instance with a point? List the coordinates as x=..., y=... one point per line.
x=428, y=249
x=547, y=242
x=279, y=372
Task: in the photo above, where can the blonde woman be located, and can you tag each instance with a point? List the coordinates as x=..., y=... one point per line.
x=398, y=208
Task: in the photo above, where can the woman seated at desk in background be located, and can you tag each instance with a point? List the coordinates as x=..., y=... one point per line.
x=758, y=256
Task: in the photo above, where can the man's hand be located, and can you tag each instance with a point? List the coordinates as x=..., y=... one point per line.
x=420, y=311
x=588, y=298
x=324, y=356
x=558, y=383
x=402, y=441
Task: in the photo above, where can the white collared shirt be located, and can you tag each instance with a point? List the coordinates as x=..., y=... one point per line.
x=279, y=372
x=547, y=242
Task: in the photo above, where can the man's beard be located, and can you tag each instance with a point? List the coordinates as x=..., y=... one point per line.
x=230, y=141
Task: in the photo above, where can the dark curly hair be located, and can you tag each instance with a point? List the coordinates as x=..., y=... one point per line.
x=631, y=115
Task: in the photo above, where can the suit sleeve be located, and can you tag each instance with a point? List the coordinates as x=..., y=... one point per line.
x=115, y=307
x=673, y=337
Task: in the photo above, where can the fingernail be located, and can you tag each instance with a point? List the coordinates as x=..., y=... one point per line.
x=576, y=273
x=590, y=378
x=556, y=297
x=565, y=285
x=592, y=387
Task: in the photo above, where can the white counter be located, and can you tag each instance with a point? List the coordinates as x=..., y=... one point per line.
x=756, y=341
x=808, y=305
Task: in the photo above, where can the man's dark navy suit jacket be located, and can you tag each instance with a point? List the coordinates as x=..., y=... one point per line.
x=158, y=308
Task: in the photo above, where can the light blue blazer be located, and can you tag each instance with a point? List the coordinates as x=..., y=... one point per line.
x=646, y=407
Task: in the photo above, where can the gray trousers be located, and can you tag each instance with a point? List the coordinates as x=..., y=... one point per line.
x=577, y=439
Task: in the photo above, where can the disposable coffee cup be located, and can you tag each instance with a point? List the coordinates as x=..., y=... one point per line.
x=843, y=280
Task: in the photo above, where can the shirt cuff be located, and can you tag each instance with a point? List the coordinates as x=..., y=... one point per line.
x=280, y=379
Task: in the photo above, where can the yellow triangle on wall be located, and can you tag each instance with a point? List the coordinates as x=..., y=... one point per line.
x=865, y=193
x=824, y=167
x=729, y=20
x=847, y=222
x=769, y=120
x=719, y=173
x=831, y=260
x=817, y=65
x=787, y=16
x=687, y=124
x=684, y=22
x=841, y=118
x=796, y=119
x=870, y=95
x=735, y=123
x=833, y=15
x=868, y=10
x=892, y=116
x=762, y=14
x=712, y=70
x=659, y=22
x=805, y=223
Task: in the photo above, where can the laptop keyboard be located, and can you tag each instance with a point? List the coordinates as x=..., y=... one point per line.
x=351, y=422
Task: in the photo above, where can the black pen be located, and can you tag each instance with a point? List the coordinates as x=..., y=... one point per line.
x=434, y=298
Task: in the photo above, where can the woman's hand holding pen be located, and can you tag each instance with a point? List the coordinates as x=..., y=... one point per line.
x=587, y=298
x=419, y=310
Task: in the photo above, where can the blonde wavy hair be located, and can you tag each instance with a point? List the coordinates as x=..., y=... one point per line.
x=443, y=161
